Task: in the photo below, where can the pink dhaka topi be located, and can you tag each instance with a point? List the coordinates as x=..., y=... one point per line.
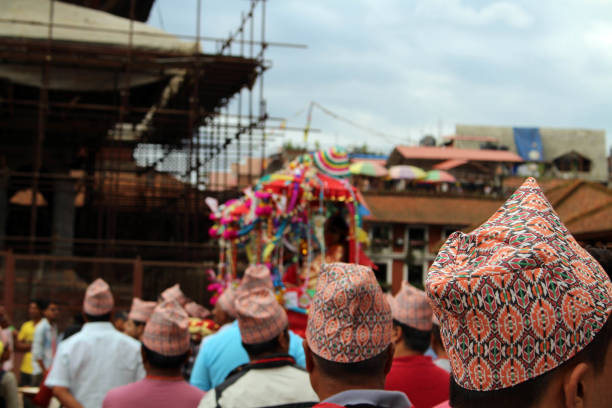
x=350, y=319
x=256, y=276
x=98, y=299
x=516, y=297
x=175, y=293
x=141, y=310
x=196, y=310
x=260, y=317
x=167, y=331
x=410, y=306
x=226, y=301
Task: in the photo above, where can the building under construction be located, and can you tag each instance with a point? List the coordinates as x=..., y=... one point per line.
x=110, y=129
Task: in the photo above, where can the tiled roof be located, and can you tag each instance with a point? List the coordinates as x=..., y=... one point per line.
x=449, y=164
x=584, y=207
x=451, y=153
x=429, y=210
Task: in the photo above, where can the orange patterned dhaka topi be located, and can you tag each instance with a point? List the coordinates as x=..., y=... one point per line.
x=260, y=317
x=350, y=319
x=516, y=297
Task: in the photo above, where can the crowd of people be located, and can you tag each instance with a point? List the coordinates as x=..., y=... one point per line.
x=514, y=314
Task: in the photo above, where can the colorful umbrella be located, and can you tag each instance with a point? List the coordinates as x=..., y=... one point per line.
x=406, y=172
x=439, y=176
x=368, y=169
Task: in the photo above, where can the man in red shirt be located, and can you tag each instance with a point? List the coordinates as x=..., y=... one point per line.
x=165, y=348
x=413, y=373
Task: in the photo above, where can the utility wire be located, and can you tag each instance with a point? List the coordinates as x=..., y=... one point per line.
x=159, y=16
x=389, y=138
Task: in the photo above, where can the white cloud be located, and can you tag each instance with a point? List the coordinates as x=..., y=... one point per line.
x=403, y=66
x=456, y=12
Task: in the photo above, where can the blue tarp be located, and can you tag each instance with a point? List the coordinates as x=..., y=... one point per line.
x=528, y=143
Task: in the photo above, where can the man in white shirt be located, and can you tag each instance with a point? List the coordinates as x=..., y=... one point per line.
x=45, y=339
x=271, y=378
x=98, y=358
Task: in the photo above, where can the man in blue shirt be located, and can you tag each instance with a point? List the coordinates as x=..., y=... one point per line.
x=222, y=352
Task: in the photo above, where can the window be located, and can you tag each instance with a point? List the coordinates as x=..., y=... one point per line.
x=571, y=162
x=415, y=275
x=381, y=273
x=416, y=238
x=381, y=236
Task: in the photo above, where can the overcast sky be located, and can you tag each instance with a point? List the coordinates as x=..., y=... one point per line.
x=410, y=67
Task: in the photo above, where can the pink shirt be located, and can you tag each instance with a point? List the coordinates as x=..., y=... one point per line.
x=154, y=393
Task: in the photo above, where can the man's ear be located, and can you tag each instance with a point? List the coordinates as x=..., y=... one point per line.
x=283, y=339
x=143, y=354
x=576, y=385
x=396, y=334
x=187, y=355
x=308, y=356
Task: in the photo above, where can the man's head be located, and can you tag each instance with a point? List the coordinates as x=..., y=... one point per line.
x=224, y=311
x=583, y=380
x=51, y=312
x=256, y=276
x=98, y=302
x=165, y=341
x=524, y=311
x=263, y=323
x=436, y=341
x=348, y=337
x=120, y=318
x=35, y=309
x=336, y=230
x=411, y=320
x=139, y=314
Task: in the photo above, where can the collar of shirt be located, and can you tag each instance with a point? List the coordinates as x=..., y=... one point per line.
x=273, y=360
x=98, y=327
x=377, y=398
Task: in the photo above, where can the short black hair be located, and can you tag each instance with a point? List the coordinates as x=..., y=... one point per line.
x=337, y=223
x=603, y=256
x=101, y=318
x=354, y=372
x=528, y=393
x=121, y=316
x=416, y=340
x=42, y=304
x=267, y=347
x=435, y=333
x=164, y=362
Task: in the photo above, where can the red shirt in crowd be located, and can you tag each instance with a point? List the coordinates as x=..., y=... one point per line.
x=424, y=383
x=152, y=392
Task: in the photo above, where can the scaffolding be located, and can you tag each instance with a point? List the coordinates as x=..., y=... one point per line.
x=104, y=135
